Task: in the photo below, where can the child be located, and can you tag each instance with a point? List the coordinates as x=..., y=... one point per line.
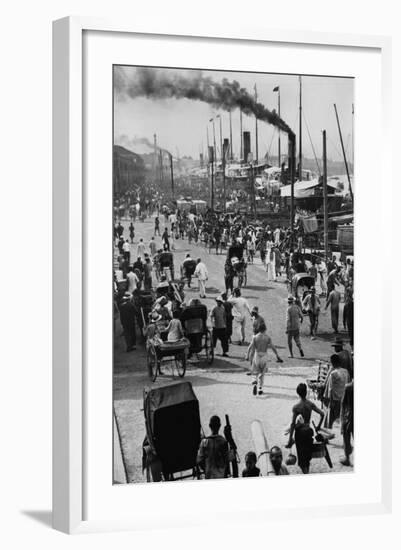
x=251, y=469
x=175, y=331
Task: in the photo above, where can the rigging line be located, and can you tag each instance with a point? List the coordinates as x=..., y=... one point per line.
x=265, y=148
x=271, y=141
x=335, y=147
x=311, y=142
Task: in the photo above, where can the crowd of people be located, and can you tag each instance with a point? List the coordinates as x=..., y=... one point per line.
x=171, y=314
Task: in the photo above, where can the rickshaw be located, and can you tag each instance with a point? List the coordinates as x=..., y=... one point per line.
x=143, y=300
x=235, y=255
x=173, y=432
x=193, y=319
x=300, y=285
x=160, y=353
x=121, y=289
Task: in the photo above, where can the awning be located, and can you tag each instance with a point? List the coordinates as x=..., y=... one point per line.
x=304, y=189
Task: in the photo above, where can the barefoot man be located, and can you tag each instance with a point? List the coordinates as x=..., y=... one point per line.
x=257, y=355
x=293, y=320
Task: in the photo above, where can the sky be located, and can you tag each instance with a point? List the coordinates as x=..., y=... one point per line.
x=181, y=125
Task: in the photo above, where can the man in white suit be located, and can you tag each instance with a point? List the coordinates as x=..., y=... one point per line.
x=203, y=275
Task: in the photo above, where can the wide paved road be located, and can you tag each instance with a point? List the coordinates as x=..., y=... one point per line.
x=224, y=387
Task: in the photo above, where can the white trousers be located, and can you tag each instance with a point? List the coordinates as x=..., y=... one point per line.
x=202, y=287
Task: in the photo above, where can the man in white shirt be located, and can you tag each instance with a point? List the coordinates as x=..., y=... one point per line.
x=153, y=247
x=276, y=234
x=141, y=249
x=127, y=250
x=203, y=275
x=132, y=281
x=173, y=220
x=240, y=311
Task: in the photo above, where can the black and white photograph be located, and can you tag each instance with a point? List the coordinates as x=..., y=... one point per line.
x=232, y=260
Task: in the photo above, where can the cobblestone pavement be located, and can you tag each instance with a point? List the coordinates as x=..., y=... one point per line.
x=224, y=387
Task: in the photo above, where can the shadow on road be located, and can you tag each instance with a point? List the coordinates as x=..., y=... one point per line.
x=212, y=290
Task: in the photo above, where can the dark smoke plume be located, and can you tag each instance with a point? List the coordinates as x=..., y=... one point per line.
x=165, y=84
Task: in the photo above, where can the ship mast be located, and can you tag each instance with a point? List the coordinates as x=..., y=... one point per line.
x=256, y=131
x=343, y=150
x=240, y=131
x=300, y=130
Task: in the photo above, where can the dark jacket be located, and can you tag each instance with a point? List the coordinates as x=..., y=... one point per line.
x=127, y=314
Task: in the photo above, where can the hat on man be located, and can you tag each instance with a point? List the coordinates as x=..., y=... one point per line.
x=255, y=309
x=290, y=298
x=127, y=296
x=155, y=316
x=219, y=299
x=337, y=342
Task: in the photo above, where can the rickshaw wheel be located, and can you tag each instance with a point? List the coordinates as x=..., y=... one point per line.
x=209, y=348
x=181, y=364
x=152, y=363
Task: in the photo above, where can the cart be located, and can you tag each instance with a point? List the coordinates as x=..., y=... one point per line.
x=173, y=432
x=193, y=320
x=143, y=300
x=300, y=284
x=162, y=354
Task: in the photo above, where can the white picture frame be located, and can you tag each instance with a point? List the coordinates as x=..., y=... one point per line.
x=69, y=226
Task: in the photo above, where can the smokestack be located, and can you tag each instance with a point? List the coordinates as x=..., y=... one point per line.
x=226, y=148
x=201, y=159
x=247, y=145
x=291, y=173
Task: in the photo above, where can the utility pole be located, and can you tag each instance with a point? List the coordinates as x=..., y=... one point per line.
x=252, y=183
x=343, y=150
x=231, y=138
x=300, y=129
x=225, y=153
x=240, y=130
x=208, y=152
x=352, y=140
x=256, y=130
x=279, y=131
x=325, y=200
x=212, y=186
x=211, y=164
x=291, y=163
x=172, y=175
